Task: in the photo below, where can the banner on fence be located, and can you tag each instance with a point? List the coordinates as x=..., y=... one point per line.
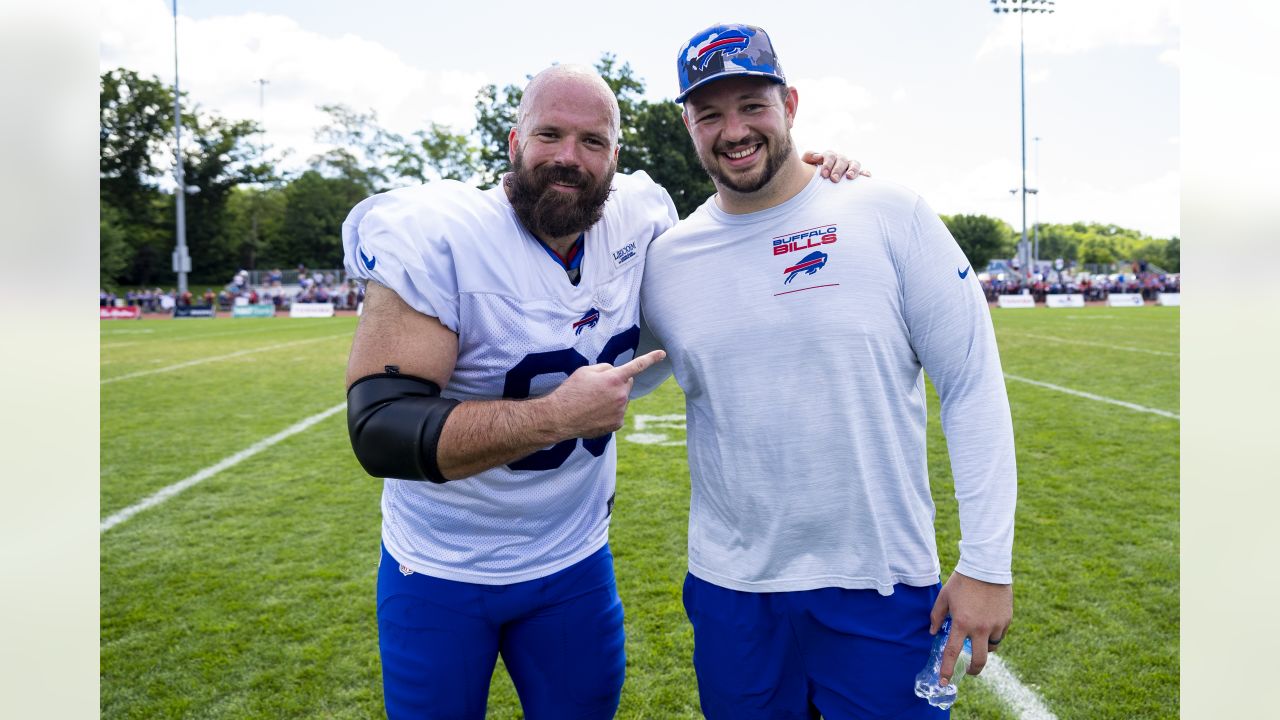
x=256, y=310
x=1124, y=300
x=1169, y=299
x=311, y=310
x=194, y=311
x=1069, y=300
x=119, y=313
x=1016, y=301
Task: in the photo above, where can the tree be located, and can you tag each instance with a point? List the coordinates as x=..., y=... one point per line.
x=311, y=229
x=979, y=236
x=363, y=151
x=1172, y=258
x=446, y=154
x=113, y=251
x=220, y=158
x=495, y=116
x=1097, y=250
x=135, y=125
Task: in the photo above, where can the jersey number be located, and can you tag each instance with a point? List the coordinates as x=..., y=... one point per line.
x=520, y=378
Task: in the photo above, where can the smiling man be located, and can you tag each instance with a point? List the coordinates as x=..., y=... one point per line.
x=489, y=370
x=799, y=317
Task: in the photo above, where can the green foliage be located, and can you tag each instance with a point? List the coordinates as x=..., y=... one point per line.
x=495, y=116
x=311, y=229
x=1098, y=250
x=982, y=238
x=446, y=154
x=135, y=119
x=113, y=251
x=362, y=149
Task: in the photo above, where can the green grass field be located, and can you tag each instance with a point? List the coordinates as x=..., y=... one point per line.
x=251, y=593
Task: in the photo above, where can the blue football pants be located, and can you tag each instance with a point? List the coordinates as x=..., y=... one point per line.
x=797, y=655
x=560, y=637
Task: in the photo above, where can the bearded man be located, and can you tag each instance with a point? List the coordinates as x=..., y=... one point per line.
x=484, y=384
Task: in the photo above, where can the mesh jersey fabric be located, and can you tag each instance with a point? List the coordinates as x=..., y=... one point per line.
x=460, y=255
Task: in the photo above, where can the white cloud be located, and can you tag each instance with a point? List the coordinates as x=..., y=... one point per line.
x=832, y=114
x=221, y=58
x=1081, y=25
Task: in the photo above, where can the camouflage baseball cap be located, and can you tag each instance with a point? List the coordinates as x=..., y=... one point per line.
x=725, y=50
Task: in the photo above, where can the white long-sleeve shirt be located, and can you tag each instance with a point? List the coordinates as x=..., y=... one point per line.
x=799, y=334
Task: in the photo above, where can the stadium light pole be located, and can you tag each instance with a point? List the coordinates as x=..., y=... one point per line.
x=181, y=259
x=1035, y=243
x=1021, y=7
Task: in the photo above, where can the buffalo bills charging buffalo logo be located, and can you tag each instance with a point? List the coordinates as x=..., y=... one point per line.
x=586, y=321
x=811, y=264
x=727, y=45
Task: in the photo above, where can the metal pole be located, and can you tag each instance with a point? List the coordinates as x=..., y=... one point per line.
x=1022, y=78
x=181, y=260
x=1036, y=245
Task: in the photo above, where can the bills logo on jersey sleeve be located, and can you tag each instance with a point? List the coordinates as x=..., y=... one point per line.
x=588, y=320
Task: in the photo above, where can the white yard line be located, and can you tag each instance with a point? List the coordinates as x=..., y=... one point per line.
x=1024, y=701
x=215, y=358
x=212, y=470
x=1109, y=346
x=1099, y=398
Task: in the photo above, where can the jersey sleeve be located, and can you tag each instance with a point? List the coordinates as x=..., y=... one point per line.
x=393, y=240
x=950, y=328
x=649, y=380
x=649, y=205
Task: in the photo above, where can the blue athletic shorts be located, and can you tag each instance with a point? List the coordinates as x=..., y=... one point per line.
x=841, y=653
x=560, y=637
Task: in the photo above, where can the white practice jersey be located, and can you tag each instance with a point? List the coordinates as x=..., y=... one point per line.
x=799, y=334
x=459, y=254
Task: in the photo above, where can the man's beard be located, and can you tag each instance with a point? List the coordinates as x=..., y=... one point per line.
x=775, y=155
x=551, y=213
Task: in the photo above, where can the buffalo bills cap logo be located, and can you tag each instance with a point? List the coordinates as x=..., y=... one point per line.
x=810, y=264
x=724, y=51
x=726, y=44
x=588, y=320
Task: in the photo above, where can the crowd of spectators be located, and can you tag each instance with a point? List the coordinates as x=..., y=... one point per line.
x=311, y=287
x=1140, y=279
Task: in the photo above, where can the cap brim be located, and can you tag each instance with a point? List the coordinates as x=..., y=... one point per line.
x=728, y=74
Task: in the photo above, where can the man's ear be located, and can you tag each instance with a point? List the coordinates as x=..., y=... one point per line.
x=684, y=115
x=791, y=101
x=513, y=145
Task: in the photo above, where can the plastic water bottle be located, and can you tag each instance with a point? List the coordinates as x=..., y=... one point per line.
x=927, y=687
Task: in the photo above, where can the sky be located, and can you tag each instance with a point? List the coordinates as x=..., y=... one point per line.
x=924, y=93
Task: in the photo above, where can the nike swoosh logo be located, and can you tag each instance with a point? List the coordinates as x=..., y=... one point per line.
x=370, y=261
x=962, y=275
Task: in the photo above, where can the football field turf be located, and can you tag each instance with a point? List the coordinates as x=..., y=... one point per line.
x=240, y=537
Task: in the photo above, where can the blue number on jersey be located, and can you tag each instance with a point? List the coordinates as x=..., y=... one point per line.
x=520, y=379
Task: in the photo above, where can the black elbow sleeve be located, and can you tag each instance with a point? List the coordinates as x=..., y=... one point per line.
x=395, y=422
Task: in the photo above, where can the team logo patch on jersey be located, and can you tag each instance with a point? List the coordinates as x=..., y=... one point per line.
x=810, y=265
x=804, y=239
x=627, y=252
x=405, y=570
x=729, y=43
x=586, y=321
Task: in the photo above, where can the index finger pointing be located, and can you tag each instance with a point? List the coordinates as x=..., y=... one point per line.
x=642, y=363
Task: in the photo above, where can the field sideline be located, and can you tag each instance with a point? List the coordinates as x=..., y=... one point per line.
x=239, y=536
